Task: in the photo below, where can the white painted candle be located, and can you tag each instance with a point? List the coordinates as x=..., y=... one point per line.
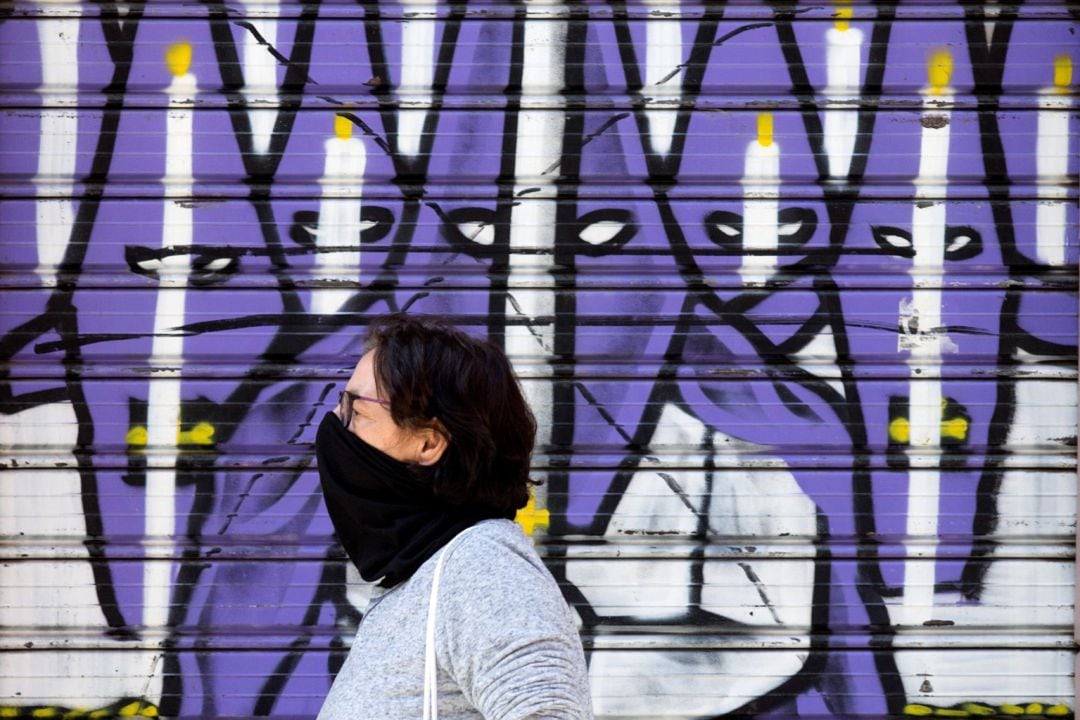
x=925, y=344
x=417, y=74
x=761, y=206
x=339, y=218
x=1052, y=165
x=163, y=397
x=55, y=212
x=663, y=77
x=179, y=121
x=843, y=63
x=260, y=71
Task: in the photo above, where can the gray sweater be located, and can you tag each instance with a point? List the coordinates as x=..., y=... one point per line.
x=506, y=642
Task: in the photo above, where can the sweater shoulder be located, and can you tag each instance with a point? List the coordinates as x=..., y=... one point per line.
x=494, y=532
x=495, y=552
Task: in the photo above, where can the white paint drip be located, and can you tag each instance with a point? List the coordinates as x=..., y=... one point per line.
x=924, y=394
x=663, y=78
x=260, y=72
x=1034, y=510
x=530, y=305
x=761, y=209
x=767, y=591
x=417, y=74
x=55, y=211
x=167, y=351
x=990, y=11
x=843, y=60
x=339, y=223
x=819, y=358
x=59, y=593
x=1052, y=167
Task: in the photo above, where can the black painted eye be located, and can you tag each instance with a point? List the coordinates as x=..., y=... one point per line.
x=796, y=227
x=893, y=241
x=202, y=266
x=142, y=260
x=213, y=269
x=604, y=231
x=724, y=228
x=304, y=226
x=470, y=229
x=478, y=231
x=962, y=242
x=375, y=224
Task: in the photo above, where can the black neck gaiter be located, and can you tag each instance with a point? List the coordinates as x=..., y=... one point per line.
x=388, y=521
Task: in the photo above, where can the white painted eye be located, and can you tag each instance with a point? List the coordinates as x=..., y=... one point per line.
x=602, y=231
x=150, y=265
x=367, y=224
x=897, y=241
x=481, y=233
x=789, y=229
x=728, y=230
x=218, y=264
x=959, y=243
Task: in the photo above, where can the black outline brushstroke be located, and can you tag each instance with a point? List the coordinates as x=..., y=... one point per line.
x=282, y=60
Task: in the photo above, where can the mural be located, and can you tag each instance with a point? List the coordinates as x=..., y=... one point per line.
x=792, y=290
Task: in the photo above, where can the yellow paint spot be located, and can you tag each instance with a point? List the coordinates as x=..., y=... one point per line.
x=843, y=14
x=342, y=127
x=954, y=428
x=1011, y=709
x=950, y=712
x=9, y=712
x=765, y=129
x=1062, y=71
x=977, y=709
x=132, y=709
x=103, y=713
x=900, y=430
x=918, y=710
x=957, y=429
x=178, y=58
x=136, y=436
x=939, y=71
x=149, y=711
x=201, y=434
x=1034, y=708
x=45, y=712
x=1058, y=711
x=530, y=517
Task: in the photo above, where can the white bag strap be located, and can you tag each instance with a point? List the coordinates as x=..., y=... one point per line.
x=431, y=685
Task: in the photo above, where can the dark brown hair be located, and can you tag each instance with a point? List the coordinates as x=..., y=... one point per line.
x=436, y=376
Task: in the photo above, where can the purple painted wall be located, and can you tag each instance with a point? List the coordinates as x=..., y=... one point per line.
x=792, y=290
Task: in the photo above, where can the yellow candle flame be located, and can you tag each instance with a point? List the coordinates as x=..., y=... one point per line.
x=178, y=58
x=342, y=127
x=1062, y=72
x=939, y=71
x=765, y=129
x=843, y=15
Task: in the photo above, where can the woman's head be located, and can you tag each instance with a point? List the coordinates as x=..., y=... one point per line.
x=430, y=395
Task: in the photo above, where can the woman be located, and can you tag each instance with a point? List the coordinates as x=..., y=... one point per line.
x=426, y=456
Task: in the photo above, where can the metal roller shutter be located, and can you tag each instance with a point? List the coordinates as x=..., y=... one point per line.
x=791, y=288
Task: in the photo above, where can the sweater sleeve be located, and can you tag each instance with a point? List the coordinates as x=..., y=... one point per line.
x=505, y=634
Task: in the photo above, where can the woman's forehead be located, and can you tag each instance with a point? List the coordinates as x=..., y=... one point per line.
x=363, y=377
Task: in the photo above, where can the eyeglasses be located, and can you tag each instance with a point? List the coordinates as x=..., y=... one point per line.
x=345, y=405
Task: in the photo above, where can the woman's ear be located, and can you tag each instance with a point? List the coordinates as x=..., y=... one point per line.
x=433, y=443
